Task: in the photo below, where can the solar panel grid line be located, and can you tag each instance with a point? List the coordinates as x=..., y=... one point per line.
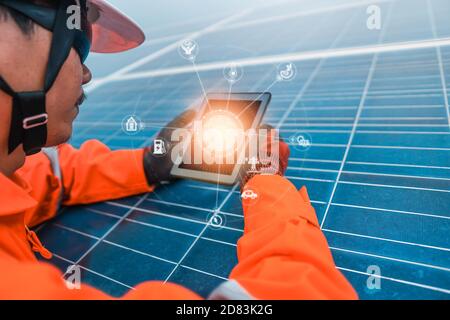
x=203, y=272
x=231, y=244
x=432, y=92
x=364, y=146
x=176, y=204
x=387, y=240
x=412, y=106
x=197, y=270
x=313, y=160
x=138, y=251
x=118, y=128
x=121, y=283
x=75, y=231
x=145, y=123
x=240, y=230
x=369, y=173
x=358, y=114
x=399, y=125
x=199, y=235
x=326, y=145
x=346, y=95
x=230, y=88
x=391, y=210
x=99, y=120
x=392, y=259
x=313, y=201
x=118, y=245
x=396, y=165
x=300, y=56
x=196, y=103
x=175, y=37
x=368, y=118
x=176, y=218
x=119, y=74
x=439, y=56
x=397, y=280
x=374, y=132
x=220, y=190
x=223, y=242
x=183, y=205
x=394, y=67
x=183, y=22
x=93, y=272
x=303, y=13
x=308, y=179
x=372, y=107
x=159, y=258
x=106, y=234
x=427, y=92
x=397, y=73
x=218, y=208
x=392, y=186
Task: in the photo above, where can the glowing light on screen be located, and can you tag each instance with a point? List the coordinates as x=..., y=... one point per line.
x=221, y=131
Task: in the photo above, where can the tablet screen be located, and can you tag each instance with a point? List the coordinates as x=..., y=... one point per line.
x=242, y=114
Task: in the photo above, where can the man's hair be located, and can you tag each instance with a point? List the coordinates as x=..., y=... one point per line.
x=25, y=24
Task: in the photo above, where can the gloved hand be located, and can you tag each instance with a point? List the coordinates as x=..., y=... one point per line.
x=281, y=156
x=157, y=167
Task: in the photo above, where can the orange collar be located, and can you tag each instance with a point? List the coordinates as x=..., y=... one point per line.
x=15, y=195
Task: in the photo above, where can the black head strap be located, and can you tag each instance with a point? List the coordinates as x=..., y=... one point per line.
x=29, y=117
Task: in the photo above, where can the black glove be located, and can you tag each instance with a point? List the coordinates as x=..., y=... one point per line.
x=157, y=167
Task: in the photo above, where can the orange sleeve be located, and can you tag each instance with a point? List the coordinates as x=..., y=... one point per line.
x=19, y=281
x=283, y=254
x=94, y=173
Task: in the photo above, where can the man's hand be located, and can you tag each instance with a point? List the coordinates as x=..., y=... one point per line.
x=157, y=167
x=280, y=155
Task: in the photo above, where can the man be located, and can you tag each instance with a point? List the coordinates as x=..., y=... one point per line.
x=283, y=253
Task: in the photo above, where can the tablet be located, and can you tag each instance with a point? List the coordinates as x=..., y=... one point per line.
x=222, y=114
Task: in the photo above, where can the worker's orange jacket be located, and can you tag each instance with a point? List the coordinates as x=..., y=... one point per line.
x=282, y=255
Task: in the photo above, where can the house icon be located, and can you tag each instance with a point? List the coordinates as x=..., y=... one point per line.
x=131, y=125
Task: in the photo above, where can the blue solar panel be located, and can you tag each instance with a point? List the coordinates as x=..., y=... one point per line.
x=378, y=170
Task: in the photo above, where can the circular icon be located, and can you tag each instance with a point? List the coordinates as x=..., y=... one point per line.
x=250, y=196
x=301, y=141
x=132, y=125
x=286, y=71
x=216, y=220
x=188, y=49
x=233, y=73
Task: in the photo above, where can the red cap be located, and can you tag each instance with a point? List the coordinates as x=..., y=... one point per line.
x=112, y=31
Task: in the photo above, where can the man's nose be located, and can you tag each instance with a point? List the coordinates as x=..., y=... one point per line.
x=87, y=75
